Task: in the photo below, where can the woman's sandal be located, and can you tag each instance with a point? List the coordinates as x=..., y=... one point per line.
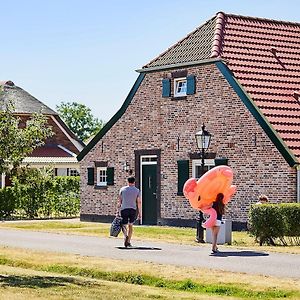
x=215, y=251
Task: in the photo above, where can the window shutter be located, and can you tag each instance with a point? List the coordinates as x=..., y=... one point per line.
x=91, y=176
x=110, y=176
x=191, y=85
x=166, y=87
x=183, y=175
x=221, y=161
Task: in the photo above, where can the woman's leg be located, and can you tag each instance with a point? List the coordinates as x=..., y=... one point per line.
x=215, y=230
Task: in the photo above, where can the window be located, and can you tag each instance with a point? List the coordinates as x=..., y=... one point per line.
x=61, y=172
x=73, y=172
x=183, y=85
x=196, y=165
x=149, y=158
x=180, y=85
x=101, y=176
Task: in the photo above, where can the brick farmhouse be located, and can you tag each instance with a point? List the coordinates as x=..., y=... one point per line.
x=60, y=150
x=240, y=76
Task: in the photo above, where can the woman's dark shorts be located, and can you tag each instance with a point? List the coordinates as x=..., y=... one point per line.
x=128, y=214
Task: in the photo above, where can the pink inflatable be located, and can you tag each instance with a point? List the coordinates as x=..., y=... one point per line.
x=203, y=192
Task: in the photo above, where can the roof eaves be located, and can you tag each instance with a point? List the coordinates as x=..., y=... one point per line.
x=267, y=127
x=179, y=65
x=68, y=130
x=113, y=120
x=49, y=159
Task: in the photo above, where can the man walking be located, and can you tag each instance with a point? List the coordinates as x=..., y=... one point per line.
x=130, y=205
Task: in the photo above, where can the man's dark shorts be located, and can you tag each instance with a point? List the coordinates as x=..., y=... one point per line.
x=128, y=214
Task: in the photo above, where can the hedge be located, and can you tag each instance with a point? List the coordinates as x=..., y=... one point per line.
x=37, y=193
x=8, y=202
x=275, y=223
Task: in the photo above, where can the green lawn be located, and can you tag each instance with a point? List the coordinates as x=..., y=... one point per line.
x=26, y=274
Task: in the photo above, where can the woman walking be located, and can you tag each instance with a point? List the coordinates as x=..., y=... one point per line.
x=219, y=206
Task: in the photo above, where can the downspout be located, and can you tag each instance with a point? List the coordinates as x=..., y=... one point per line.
x=298, y=183
x=2, y=180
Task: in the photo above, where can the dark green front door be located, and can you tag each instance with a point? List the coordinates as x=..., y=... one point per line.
x=149, y=194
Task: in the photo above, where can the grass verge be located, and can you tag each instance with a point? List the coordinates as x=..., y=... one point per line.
x=156, y=278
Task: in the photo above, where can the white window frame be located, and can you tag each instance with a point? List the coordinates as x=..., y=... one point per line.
x=101, y=176
x=210, y=163
x=177, y=81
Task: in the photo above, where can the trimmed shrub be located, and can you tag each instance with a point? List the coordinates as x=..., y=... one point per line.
x=65, y=193
x=270, y=222
x=8, y=202
x=37, y=193
x=31, y=187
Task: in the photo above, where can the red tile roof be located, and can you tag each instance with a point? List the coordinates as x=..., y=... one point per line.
x=50, y=151
x=263, y=55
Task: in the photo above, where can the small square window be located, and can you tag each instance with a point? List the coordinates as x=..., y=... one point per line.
x=101, y=176
x=197, y=168
x=73, y=172
x=180, y=85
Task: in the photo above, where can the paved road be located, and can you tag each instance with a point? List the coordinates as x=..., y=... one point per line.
x=247, y=261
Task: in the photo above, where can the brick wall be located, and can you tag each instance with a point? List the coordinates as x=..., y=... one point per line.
x=153, y=122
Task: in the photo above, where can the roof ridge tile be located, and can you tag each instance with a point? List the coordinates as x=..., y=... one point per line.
x=218, y=35
x=263, y=19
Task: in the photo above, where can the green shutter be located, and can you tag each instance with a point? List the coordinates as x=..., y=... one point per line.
x=91, y=175
x=221, y=161
x=191, y=85
x=166, y=87
x=183, y=175
x=110, y=176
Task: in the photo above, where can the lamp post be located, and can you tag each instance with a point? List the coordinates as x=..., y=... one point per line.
x=203, y=140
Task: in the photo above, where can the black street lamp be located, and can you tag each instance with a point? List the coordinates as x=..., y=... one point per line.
x=203, y=140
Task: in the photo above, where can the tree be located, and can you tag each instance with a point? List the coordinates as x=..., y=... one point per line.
x=79, y=119
x=16, y=143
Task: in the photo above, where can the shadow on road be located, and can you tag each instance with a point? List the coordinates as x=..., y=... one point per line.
x=239, y=253
x=138, y=248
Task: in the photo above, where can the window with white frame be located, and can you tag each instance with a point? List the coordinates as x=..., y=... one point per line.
x=196, y=166
x=101, y=176
x=180, y=85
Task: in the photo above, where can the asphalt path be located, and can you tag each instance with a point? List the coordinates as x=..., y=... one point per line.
x=229, y=259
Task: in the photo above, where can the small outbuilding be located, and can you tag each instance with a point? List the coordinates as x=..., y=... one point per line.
x=60, y=150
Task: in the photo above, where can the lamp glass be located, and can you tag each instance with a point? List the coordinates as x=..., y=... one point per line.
x=203, y=139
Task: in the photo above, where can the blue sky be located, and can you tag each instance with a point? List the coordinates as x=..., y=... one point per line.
x=87, y=51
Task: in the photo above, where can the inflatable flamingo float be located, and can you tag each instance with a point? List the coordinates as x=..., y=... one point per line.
x=202, y=193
